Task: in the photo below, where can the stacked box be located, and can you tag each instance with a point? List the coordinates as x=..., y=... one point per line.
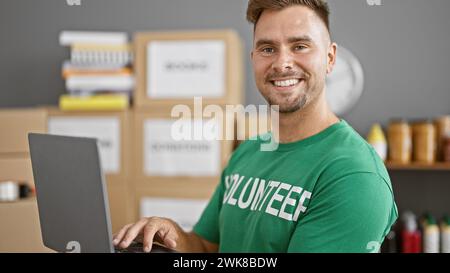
x=112, y=129
x=173, y=67
x=179, y=69
x=19, y=225
x=15, y=124
x=19, y=229
x=166, y=166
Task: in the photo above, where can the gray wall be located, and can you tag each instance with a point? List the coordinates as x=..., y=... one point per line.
x=403, y=45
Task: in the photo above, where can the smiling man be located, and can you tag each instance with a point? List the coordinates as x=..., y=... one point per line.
x=323, y=190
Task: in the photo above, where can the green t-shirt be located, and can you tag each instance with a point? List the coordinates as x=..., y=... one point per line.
x=326, y=193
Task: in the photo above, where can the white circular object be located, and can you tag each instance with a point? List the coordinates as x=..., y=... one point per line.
x=345, y=83
x=9, y=191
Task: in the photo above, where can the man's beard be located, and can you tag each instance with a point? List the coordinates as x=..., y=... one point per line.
x=286, y=104
x=285, y=108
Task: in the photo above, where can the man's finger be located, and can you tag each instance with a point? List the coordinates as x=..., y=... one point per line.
x=170, y=238
x=149, y=233
x=118, y=237
x=132, y=233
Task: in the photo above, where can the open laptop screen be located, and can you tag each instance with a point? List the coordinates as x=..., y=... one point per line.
x=71, y=193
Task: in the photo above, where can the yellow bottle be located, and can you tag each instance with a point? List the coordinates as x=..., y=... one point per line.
x=377, y=139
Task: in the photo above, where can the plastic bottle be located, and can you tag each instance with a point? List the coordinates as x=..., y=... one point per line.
x=445, y=235
x=411, y=236
x=446, y=149
x=424, y=142
x=377, y=139
x=442, y=132
x=430, y=235
x=399, y=141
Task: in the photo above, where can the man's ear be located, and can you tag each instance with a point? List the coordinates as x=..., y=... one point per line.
x=331, y=57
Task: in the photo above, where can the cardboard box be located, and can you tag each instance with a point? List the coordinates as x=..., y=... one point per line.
x=184, y=211
x=120, y=206
x=185, y=188
x=111, y=128
x=211, y=60
x=20, y=228
x=16, y=168
x=15, y=125
x=170, y=186
x=158, y=156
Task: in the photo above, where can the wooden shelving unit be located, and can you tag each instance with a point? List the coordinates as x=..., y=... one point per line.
x=438, y=166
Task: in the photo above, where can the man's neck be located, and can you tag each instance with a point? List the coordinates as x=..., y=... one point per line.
x=306, y=122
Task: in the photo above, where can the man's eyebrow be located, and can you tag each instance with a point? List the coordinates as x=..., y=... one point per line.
x=297, y=39
x=291, y=40
x=261, y=42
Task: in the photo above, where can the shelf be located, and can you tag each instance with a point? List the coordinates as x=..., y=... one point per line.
x=438, y=166
x=20, y=202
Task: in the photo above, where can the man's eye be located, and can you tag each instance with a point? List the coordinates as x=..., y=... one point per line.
x=268, y=50
x=300, y=47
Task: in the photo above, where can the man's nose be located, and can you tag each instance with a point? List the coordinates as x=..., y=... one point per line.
x=283, y=62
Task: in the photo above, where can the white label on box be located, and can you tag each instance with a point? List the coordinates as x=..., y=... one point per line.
x=185, y=212
x=183, y=69
x=106, y=130
x=166, y=156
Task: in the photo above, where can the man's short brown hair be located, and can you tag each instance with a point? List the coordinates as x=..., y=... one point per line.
x=256, y=8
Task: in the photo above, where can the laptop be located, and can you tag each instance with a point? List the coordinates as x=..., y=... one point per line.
x=72, y=196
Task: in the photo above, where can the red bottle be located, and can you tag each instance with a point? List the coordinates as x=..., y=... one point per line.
x=411, y=235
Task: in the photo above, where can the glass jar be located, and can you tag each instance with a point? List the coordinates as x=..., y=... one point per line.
x=446, y=148
x=442, y=131
x=399, y=141
x=424, y=142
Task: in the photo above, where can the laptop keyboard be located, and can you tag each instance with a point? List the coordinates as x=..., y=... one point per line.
x=134, y=247
x=139, y=248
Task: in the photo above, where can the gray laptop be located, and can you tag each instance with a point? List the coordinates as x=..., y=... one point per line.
x=72, y=195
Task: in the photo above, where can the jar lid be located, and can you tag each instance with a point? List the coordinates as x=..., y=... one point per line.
x=421, y=121
x=443, y=119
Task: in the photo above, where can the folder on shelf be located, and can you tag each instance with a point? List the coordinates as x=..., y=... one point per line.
x=67, y=38
x=125, y=71
x=95, y=82
x=104, y=102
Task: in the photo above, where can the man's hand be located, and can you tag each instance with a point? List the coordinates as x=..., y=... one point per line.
x=163, y=231
x=147, y=230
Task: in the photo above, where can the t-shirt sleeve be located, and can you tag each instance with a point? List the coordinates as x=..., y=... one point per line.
x=352, y=214
x=207, y=226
